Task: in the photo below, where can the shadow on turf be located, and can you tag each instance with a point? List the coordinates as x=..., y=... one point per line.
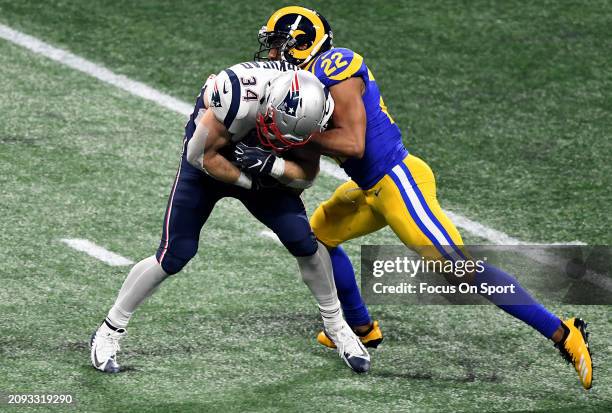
x=327, y=355
x=80, y=346
x=469, y=376
x=19, y=140
x=269, y=327
x=122, y=369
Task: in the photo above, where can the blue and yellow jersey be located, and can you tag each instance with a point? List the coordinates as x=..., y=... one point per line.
x=383, y=140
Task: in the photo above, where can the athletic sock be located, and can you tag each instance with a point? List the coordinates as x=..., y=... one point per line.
x=141, y=282
x=316, y=271
x=353, y=307
x=519, y=304
x=117, y=318
x=332, y=316
x=365, y=333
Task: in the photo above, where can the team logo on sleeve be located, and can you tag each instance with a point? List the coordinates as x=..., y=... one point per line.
x=291, y=102
x=215, y=99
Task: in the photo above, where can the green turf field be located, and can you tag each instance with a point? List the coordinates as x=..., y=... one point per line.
x=508, y=102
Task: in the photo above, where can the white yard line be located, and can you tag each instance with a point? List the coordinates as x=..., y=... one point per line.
x=555, y=261
x=494, y=236
x=333, y=170
x=97, y=251
x=269, y=234
x=146, y=92
x=99, y=72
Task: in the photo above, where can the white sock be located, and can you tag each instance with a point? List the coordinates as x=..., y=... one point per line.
x=332, y=316
x=118, y=317
x=141, y=282
x=317, y=274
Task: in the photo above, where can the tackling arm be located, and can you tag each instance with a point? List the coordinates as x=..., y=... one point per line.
x=347, y=137
x=301, y=168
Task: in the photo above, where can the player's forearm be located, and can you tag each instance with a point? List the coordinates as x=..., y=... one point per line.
x=298, y=175
x=339, y=142
x=217, y=166
x=203, y=153
x=346, y=138
x=220, y=168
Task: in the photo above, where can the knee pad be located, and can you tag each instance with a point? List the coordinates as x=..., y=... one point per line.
x=304, y=247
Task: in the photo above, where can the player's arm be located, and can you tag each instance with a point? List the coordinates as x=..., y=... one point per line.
x=347, y=137
x=301, y=168
x=297, y=169
x=203, y=152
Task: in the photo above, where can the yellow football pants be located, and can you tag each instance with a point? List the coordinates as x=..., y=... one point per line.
x=404, y=199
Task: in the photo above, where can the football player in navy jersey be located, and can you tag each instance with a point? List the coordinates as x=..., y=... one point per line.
x=388, y=186
x=284, y=106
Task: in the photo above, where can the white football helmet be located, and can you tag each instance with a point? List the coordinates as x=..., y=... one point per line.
x=295, y=105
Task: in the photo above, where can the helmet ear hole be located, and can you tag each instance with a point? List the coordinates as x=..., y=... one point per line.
x=302, y=42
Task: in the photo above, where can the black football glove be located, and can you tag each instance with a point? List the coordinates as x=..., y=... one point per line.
x=254, y=160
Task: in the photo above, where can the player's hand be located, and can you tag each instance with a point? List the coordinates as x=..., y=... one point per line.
x=254, y=160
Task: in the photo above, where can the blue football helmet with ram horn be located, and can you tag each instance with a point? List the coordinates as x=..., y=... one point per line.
x=298, y=33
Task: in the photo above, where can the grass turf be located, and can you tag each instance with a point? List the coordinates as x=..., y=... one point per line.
x=505, y=100
x=224, y=336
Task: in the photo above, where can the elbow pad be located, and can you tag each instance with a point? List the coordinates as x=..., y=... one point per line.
x=195, y=154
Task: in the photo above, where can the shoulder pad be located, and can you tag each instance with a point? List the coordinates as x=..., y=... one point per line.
x=336, y=65
x=207, y=90
x=225, y=98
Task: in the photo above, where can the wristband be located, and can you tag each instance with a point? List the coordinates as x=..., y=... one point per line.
x=244, y=181
x=278, y=168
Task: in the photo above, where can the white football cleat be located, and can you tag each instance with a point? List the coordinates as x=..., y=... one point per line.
x=350, y=348
x=104, y=347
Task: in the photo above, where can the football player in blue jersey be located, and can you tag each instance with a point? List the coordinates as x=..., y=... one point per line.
x=388, y=186
x=286, y=105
